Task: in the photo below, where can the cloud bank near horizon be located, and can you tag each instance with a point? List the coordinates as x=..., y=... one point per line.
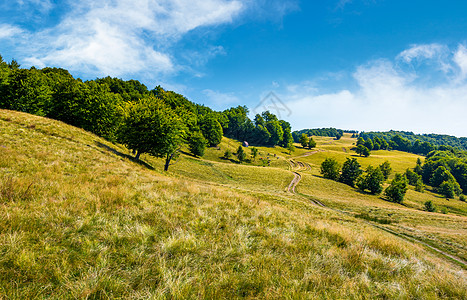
x=396, y=93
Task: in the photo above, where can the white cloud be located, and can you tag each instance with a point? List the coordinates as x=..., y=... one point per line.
x=387, y=98
x=9, y=31
x=122, y=37
x=460, y=58
x=220, y=101
x=422, y=52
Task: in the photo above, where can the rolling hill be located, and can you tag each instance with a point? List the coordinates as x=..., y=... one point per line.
x=81, y=219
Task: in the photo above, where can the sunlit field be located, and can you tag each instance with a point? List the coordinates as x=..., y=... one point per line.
x=79, y=218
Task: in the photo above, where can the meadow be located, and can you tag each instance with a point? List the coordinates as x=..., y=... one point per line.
x=79, y=218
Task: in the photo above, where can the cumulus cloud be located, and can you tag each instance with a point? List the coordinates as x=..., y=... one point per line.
x=387, y=98
x=116, y=37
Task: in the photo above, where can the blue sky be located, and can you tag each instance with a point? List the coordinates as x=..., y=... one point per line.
x=352, y=64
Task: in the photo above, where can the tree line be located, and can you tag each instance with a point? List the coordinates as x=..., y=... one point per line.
x=157, y=121
x=435, y=140
x=330, y=132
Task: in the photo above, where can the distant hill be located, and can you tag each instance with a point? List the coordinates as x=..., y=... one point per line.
x=434, y=139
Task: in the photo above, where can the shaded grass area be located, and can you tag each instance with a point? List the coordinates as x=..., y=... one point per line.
x=82, y=222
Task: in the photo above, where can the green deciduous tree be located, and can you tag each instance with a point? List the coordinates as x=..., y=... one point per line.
x=363, y=150
x=150, y=126
x=241, y=156
x=197, y=143
x=449, y=189
x=372, y=180
x=350, y=171
x=429, y=206
x=211, y=129
x=311, y=143
x=254, y=153
x=330, y=169
x=395, y=192
x=303, y=140
x=386, y=169
x=412, y=177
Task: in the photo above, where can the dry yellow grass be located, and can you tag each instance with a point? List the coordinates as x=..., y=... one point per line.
x=79, y=219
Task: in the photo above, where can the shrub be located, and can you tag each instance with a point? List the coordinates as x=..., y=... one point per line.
x=462, y=198
x=429, y=206
x=227, y=154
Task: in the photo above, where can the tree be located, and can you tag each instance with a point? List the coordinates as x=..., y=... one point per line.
x=360, y=141
x=412, y=177
x=212, y=130
x=395, y=192
x=254, y=153
x=386, y=169
x=418, y=168
x=291, y=148
x=419, y=186
x=440, y=175
x=241, y=154
x=197, y=143
x=330, y=169
x=303, y=140
x=371, y=181
x=150, y=126
x=449, y=189
x=429, y=206
x=311, y=143
x=350, y=172
x=369, y=144
x=362, y=150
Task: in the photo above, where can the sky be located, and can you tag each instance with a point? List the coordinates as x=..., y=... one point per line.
x=351, y=64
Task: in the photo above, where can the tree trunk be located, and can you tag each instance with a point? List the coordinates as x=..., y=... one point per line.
x=137, y=155
x=167, y=161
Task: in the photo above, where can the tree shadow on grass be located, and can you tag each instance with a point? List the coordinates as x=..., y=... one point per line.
x=123, y=155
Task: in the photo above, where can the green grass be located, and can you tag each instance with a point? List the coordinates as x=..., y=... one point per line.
x=80, y=219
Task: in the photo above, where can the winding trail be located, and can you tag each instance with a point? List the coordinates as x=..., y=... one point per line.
x=296, y=166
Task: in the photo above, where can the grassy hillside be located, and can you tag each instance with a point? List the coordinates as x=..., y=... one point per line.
x=80, y=219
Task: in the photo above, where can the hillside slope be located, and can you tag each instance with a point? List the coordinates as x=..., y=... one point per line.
x=79, y=219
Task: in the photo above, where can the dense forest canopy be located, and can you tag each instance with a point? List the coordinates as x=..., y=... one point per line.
x=129, y=113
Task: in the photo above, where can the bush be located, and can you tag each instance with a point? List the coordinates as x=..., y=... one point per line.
x=429, y=206
x=227, y=154
x=462, y=198
x=330, y=169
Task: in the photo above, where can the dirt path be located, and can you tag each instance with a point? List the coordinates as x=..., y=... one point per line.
x=309, y=153
x=291, y=188
x=294, y=182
